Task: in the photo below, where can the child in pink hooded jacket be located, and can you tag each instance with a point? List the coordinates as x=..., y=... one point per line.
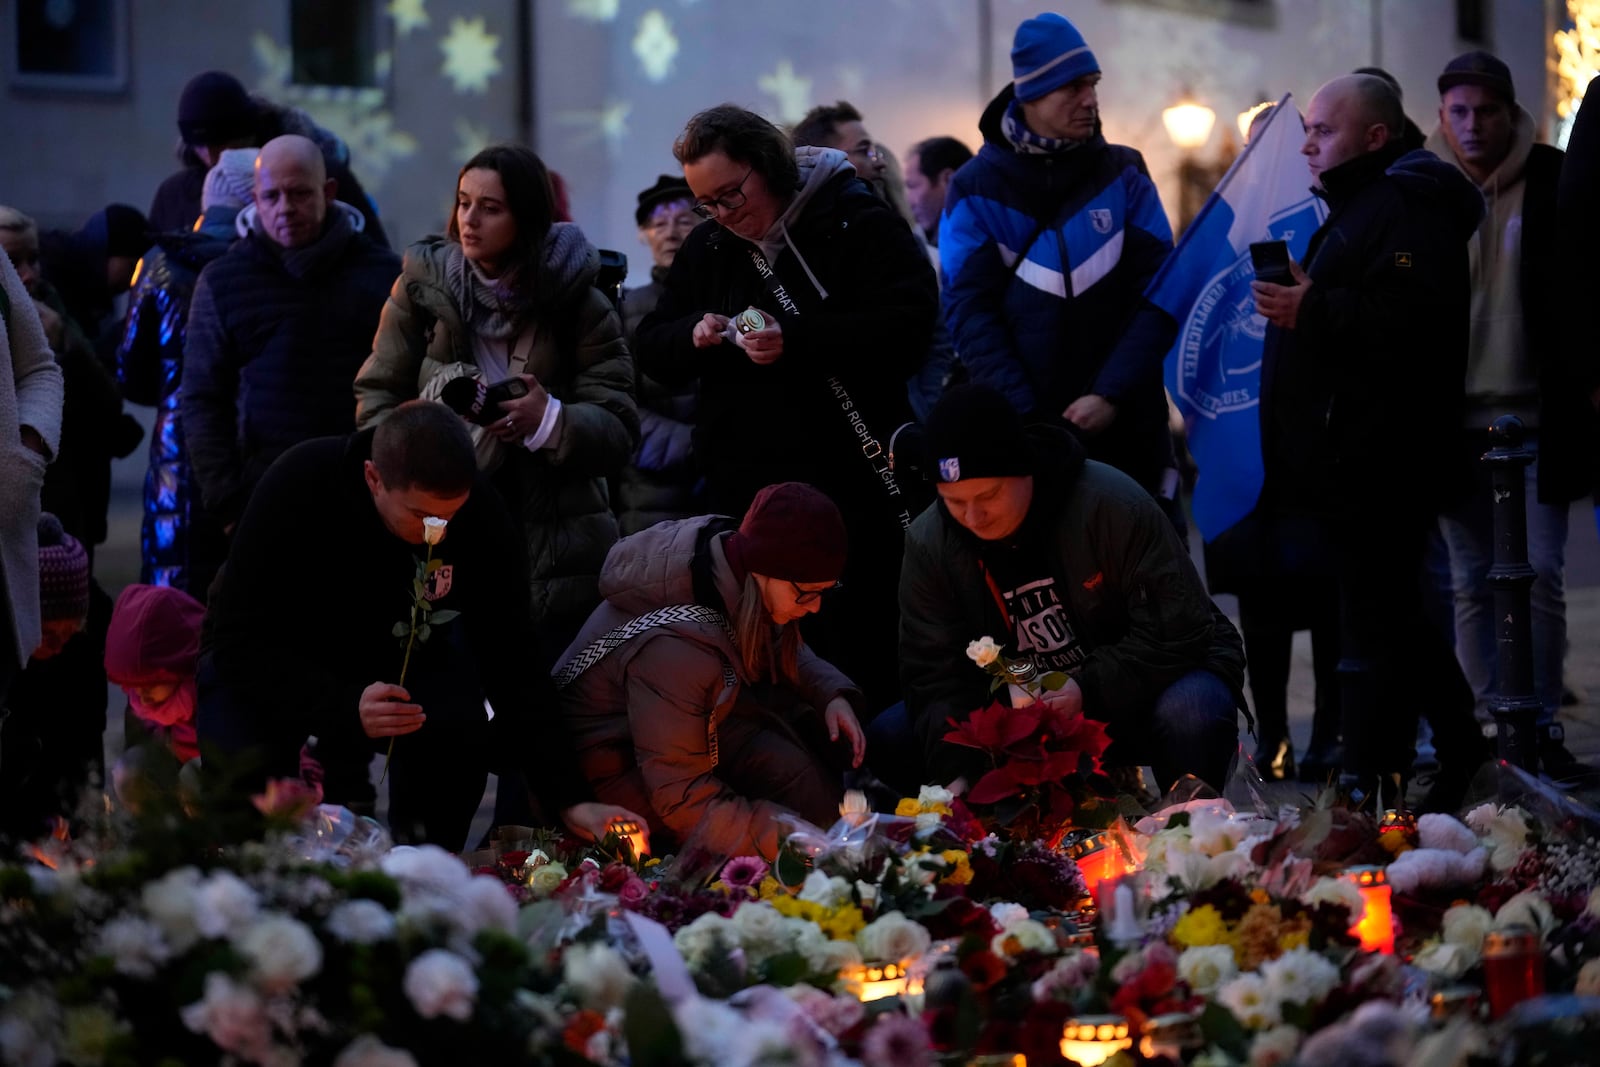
x=152, y=651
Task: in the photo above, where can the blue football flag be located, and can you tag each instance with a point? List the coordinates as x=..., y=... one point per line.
x=1214, y=369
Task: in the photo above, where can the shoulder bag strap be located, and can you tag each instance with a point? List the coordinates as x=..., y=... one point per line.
x=872, y=449
x=608, y=643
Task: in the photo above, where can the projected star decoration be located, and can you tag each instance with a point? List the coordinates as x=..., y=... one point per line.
x=608, y=125
x=471, y=138
x=408, y=15
x=655, y=45
x=790, y=90
x=469, y=52
x=593, y=10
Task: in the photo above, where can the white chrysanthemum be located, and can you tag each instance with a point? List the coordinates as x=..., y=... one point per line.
x=893, y=937
x=821, y=889
x=485, y=905
x=426, y=869
x=169, y=900
x=135, y=945
x=1251, y=1001
x=282, y=952
x=361, y=922
x=1206, y=967
x=835, y=957
x=1300, y=976
x=598, y=974
x=1445, y=959
x=762, y=930
x=709, y=1029
x=233, y=1017
x=368, y=1051
x=441, y=983
x=1437, y=830
x=1004, y=913
x=1465, y=925
x=1526, y=909
x=223, y=904
x=1336, y=891
x=1274, y=1047
x=708, y=936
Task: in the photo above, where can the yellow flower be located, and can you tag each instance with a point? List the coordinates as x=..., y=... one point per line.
x=907, y=808
x=771, y=888
x=1201, y=926
x=843, y=923
x=960, y=871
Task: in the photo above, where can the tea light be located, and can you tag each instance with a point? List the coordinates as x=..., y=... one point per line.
x=876, y=981
x=1090, y=1040
x=1376, y=928
x=632, y=833
x=1099, y=858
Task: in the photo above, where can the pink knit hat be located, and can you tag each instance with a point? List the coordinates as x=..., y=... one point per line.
x=63, y=573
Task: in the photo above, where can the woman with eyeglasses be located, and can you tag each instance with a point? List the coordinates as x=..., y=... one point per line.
x=848, y=302
x=690, y=691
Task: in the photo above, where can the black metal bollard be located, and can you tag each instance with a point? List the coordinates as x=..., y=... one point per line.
x=1514, y=706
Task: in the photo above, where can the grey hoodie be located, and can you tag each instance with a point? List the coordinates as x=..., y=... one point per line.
x=818, y=166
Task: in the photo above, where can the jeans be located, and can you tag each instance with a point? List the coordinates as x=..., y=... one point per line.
x=1469, y=533
x=1192, y=728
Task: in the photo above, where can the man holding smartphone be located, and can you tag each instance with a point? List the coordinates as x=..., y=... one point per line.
x=1361, y=403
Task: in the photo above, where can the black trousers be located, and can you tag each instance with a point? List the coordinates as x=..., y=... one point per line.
x=1269, y=615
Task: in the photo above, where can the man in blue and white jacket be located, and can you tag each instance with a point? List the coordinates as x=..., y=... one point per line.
x=1049, y=238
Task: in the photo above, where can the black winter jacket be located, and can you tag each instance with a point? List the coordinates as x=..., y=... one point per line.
x=271, y=356
x=867, y=301
x=1365, y=395
x=1126, y=580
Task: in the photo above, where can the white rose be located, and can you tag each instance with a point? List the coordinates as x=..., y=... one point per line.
x=1206, y=967
x=821, y=889
x=1300, y=976
x=169, y=900
x=708, y=936
x=892, y=938
x=1024, y=936
x=546, y=879
x=1465, y=925
x=1004, y=913
x=282, y=952
x=835, y=957
x=222, y=904
x=136, y=946
x=441, y=983
x=360, y=922
x=368, y=1051
x=1526, y=909
x=762, y=930
x=433, y=529
x=1274, y=1047
x=1336, y=891
x=983, y=651
x=934, y=796
x=1447, y=960
x=233, y=1017
x=1250, y=1001
x=598, y=974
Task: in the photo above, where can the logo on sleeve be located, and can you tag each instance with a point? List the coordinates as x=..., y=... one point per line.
x=1100, y=219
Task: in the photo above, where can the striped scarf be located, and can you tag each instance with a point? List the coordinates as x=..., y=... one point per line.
x=1025, y=140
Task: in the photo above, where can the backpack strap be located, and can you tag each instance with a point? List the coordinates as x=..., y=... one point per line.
x=608, y=643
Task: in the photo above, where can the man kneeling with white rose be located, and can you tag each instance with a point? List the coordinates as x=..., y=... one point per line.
x=1072, y=566
x=374, y=599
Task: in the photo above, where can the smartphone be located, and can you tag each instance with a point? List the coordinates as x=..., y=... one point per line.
x=501, y=391
x=1271, y=262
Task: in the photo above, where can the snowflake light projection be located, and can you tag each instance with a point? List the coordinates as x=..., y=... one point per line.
x=408, y=15
x=469, y=55
x=608, y=125
x=593, y=10
x=655, y=45
x=790, y=90
x=356, y=116
x=471, y=138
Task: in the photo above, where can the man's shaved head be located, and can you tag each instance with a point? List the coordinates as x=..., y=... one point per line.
x=293, y=191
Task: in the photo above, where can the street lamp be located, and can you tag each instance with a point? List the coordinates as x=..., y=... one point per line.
x=1189, y=124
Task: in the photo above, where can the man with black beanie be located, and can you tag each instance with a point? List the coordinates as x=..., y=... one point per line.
x=1068, y=563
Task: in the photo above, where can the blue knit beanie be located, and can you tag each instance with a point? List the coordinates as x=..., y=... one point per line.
x=1047, y=53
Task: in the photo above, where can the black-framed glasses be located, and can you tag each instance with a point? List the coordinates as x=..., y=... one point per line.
x=811, y=596
x=733, y=201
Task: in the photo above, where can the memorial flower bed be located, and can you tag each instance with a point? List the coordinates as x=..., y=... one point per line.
x=1313, y=936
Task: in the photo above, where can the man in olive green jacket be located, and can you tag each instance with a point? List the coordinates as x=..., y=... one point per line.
x=1069, y=563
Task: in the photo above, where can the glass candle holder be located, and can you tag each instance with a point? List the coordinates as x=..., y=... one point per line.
x=1513, y=968
x=1376, y=927
x=1090, y=1040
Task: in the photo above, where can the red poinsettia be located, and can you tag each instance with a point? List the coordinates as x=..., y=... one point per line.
x=1033, y=746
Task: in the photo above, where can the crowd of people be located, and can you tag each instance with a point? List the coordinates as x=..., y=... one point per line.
x=704, y=553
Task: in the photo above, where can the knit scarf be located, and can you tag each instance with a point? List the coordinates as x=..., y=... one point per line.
x=496, y=308
x=1025, y=140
